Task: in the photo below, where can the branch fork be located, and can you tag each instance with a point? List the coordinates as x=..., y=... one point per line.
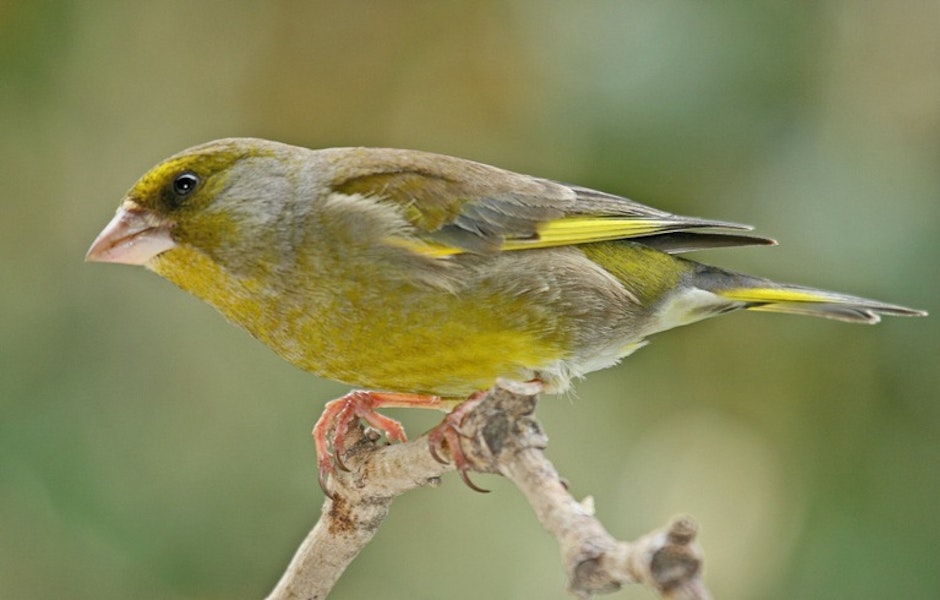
x=500, y=435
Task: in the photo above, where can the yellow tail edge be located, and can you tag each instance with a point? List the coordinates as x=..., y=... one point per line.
x=811, y=302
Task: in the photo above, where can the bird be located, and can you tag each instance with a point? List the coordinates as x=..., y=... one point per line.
x=421, y=279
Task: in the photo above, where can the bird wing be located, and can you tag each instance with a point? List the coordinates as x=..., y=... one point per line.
x=458, y=206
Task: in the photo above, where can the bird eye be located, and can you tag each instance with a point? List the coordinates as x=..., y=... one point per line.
x=185, y=183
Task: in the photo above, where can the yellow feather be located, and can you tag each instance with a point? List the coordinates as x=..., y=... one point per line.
x=584, y=230
x=559, y=232
x=777, y=295
x=423, y=247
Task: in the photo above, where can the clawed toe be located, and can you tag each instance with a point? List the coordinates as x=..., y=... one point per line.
x=340, y=415
x=448, y=434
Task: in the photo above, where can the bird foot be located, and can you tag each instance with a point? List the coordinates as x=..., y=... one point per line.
x=447, y=436
x=340, y=415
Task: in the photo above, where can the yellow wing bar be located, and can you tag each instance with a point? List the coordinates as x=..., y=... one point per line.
x=585, y=230
x=564, y=232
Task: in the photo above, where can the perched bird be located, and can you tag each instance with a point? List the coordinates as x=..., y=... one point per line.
x=423, y=278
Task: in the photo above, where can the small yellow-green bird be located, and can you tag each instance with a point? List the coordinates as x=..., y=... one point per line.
x=423, y=278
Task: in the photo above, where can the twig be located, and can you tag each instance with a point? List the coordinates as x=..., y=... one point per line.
x=501, y=436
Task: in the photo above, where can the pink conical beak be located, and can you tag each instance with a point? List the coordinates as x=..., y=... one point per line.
x=133, y=237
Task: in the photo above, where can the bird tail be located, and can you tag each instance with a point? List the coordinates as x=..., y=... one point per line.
x=753, y=293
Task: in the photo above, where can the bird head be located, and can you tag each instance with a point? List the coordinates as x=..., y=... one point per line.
x=200, y=199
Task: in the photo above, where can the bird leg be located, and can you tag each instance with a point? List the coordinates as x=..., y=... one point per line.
x=448, y=433
x=341, y=414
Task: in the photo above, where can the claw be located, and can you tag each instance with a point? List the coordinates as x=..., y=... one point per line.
x=449, y=433
x=321, y=479
x=338, y=460
x=469, y=483
x=432, y=447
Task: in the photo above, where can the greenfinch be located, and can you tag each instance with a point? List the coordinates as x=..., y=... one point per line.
x=424, y=278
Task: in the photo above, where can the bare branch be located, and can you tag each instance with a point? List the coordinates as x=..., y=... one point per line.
x=362, y=498
x=501, y=436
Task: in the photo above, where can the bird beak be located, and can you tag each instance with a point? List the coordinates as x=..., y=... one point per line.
x=134, y=236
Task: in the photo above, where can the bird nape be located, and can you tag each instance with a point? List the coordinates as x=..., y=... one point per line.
x=424, y=278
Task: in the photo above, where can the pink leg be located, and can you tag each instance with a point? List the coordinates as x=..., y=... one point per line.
x=341, y=414
x=448, y=433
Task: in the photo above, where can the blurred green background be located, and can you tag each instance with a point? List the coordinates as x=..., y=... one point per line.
x=150, y=450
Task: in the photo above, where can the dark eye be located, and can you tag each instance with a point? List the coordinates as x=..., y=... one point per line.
x=185, y=183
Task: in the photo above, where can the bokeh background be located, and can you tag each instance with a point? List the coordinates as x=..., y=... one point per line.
x=150, y=450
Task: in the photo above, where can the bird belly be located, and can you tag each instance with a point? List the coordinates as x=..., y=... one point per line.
x=417, y=340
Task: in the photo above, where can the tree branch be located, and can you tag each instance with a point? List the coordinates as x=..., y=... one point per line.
x=502, y=436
